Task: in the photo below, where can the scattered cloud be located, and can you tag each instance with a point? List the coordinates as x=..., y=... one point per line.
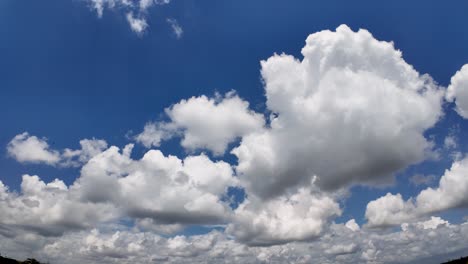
x=205, y=123
x=135, y=11
x=458, y=91
x=138, y=25
x=31, y=149
x=421, y=180
x=391, y=209
x=26, y=148
x=176, y=28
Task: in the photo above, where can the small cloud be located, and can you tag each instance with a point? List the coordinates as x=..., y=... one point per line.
x=420, y=179
x=450, y=142
x=176, y=28
x=138, y=25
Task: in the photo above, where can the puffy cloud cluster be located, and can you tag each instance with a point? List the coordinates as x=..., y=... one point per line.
x=117, y=244
x=163, y=190
x=458, y=91
x=27, y=148
x=162, y=194
x=451, y=192
x=136, y=11
x=205, y=123
x=47, y=209
x=351, y=111
x=299, y=216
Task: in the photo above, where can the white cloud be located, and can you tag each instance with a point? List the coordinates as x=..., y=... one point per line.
x=123, y=245
x=165, y=190
x=136, y=11
x=205, y=123
x=154, y=133
x=89, y=149
x=352, y=225
x=389, y=210
x=138, y=25
x=458, y=91
x=31, y=149
x=161, y=193
x=432, y=223
x=26, y=148
x=48, y=209
x=176, y=28
x=352, y=111
x=341, y=249
x=295, y=217
x=451, y=193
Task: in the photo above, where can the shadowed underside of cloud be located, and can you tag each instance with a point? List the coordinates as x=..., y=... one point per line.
x=351, y=112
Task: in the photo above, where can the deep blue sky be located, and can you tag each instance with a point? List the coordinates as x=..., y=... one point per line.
x=67, y=75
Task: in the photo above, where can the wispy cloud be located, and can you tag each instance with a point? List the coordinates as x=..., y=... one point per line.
x=176, y=28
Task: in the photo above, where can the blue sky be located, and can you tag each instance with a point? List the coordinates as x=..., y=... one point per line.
x=67, y=74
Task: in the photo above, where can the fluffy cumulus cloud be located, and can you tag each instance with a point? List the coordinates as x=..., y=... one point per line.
x=48, y=209
x=458, y=91
x=26, y=148
x=295, y=217
x=135, y=12
x=205, y=123
x=351, y=111
x=392, y=209
x=158, y=189
x=162, y=193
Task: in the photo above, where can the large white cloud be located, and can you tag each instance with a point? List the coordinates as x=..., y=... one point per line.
x=352, y=111
x=458, y=91
x=205, y=123
x=451, y=193
x=26, y=148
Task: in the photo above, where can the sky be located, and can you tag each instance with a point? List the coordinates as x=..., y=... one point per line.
x=169, y=131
